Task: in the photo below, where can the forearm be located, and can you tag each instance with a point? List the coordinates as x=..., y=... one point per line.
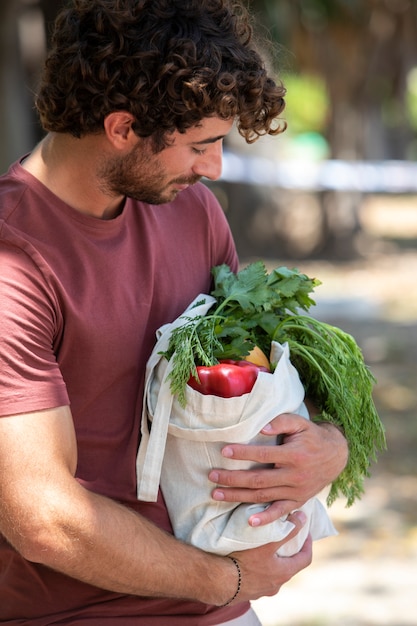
x=100, y=542
x=109, y=546
x=52, y=519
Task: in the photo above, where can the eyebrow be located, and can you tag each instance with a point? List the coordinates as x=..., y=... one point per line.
x=208, y=140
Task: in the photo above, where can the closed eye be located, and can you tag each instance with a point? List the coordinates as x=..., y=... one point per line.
x=199, y=151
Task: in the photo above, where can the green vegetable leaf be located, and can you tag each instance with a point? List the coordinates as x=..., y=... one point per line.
x=292, y=288
x=246, y=290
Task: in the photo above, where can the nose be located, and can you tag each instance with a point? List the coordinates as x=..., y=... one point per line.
x=210, y=163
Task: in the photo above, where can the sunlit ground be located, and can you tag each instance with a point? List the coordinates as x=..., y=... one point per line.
x=367, y=575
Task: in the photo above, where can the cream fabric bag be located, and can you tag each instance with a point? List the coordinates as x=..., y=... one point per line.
x=180, y=445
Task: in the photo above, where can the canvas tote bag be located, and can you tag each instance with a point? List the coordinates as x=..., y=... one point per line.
x=180, y=445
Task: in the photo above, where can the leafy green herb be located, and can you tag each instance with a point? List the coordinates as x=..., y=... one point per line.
x=254, y=308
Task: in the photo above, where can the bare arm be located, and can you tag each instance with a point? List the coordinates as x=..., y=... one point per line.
x=51, y=519
x=310, y=458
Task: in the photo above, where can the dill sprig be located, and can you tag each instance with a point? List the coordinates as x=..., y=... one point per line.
x=194, y=343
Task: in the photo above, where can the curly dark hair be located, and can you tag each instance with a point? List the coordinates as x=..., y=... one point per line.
x=170, y=63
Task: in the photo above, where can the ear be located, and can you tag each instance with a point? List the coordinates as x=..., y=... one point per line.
x=118, y=129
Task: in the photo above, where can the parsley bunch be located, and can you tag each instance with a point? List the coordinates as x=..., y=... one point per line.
x=253, y=308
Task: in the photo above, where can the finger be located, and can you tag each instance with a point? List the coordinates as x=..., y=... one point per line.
x=276, y=502
x=274, y=512
x=306, y=551
x=301, y=559
x=291, y=565
x=263, y=454
x=256, y=487
x=254, y=496
x=258, y=496
x=298, y=519
x=308, y=546
x=259, y=479
x=245, y=479
x=286, y=423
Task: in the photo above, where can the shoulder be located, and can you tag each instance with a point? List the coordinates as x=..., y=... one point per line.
x=199, y=193
x=12, y=188
x=213, y=225
x=202, y=201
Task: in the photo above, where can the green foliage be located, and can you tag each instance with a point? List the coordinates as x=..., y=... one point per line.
x=307, y=103
x=254, y=308
x=411, y=97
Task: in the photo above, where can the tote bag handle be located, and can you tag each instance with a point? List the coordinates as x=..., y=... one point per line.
x=153, y=440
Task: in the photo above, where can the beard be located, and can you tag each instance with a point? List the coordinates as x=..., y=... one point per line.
x=141, y=176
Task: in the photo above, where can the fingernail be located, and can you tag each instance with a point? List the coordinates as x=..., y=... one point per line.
x=227, y=452
x=214, y=477
x=267, y=428
x=218, y=495
x=255, y=521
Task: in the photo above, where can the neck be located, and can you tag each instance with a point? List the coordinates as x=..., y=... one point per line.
x=68, y=167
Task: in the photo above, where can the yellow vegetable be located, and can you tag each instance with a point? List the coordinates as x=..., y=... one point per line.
x=258, y=357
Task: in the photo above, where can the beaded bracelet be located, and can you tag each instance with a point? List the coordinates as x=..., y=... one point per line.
x=239, y=580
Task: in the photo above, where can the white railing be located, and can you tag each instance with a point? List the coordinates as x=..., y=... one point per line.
x=361, y=176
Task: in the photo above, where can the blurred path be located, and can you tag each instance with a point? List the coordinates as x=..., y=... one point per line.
x=367, y=576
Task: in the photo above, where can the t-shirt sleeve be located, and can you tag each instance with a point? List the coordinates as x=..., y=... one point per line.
x=30, y=378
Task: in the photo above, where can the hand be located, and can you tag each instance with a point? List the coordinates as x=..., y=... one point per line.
x=263, y=572
x=310, y=458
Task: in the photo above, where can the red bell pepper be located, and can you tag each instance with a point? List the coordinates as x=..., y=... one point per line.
x=227, y=379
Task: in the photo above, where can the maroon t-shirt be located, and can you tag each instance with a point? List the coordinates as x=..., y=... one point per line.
x=81, y=299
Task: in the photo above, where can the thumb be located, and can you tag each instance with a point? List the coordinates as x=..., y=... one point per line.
x=298, y=519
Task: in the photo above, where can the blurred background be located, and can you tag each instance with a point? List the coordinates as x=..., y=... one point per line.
x=335, y=196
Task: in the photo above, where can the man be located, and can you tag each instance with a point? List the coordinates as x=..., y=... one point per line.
x=105, y=236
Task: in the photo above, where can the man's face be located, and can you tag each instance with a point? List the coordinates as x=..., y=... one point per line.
x=158, y=178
